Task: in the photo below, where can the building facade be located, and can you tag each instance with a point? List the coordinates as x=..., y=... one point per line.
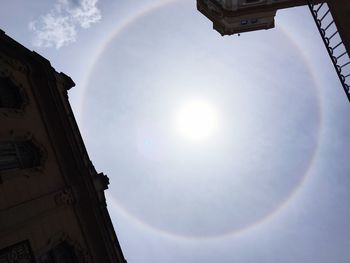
x=52, y=203
x=238, y=16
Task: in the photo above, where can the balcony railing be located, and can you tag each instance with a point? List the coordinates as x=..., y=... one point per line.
x=333, y=42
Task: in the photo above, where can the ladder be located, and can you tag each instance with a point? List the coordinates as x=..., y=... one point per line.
x=333, y=42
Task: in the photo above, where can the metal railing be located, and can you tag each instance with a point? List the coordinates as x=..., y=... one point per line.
x=333, y=42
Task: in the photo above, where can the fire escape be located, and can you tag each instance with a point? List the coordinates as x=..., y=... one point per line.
x=228, y=21
x=333, y=42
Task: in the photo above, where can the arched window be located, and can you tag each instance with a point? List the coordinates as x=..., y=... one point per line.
x=18, y=155
x=62, y=253
x=10, y=96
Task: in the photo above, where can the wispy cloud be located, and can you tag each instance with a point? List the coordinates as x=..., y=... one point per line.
x=59, y=27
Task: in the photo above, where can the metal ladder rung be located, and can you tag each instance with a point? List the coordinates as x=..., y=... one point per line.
x=314, y=9
x=318, y=9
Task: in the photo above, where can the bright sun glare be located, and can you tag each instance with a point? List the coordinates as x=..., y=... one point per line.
x=196, y=120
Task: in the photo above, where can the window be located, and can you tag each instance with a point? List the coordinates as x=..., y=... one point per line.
x=254, y=20
x=10, y=96
x=20, y=252
x=18, y=155
x=244, y=22
x=62, y=253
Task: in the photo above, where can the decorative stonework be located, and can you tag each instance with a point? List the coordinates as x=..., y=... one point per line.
x=18, y=253
x=15, y=64
x=12, y=71
x=82, y=254
x=19, y=136
x=101, y=182
x=65, y=197
x=46, y=209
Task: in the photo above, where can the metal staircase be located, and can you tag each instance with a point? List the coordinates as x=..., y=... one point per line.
x=333, y=42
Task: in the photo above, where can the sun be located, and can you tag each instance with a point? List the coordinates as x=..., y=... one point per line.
x=196, y=120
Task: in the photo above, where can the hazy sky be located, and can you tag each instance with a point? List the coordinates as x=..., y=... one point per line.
x=266, y=182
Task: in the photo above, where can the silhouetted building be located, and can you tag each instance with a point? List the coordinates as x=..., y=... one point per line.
x=332, y=18
x=52, y=203
x=238, y=16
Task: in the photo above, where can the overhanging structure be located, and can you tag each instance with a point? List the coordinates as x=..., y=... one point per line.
x=332, y=18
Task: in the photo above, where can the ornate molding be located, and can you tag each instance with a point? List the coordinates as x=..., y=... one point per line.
x=23, y=136
x=65, y=197
x=20, y=252
x=82, y=254
x=101, y=182
x=15, y=64
x=10, y=68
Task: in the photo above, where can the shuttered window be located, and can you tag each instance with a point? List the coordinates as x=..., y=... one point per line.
x=10, y=96
x=18, y=155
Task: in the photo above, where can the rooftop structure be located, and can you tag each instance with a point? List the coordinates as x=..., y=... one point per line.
x=238, y=16
x=331, y=16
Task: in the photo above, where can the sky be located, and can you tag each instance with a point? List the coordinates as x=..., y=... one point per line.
x=218, y=149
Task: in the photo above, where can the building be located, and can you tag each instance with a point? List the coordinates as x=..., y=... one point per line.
x=52, y=203
x=238, y=16
x=331, y=18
